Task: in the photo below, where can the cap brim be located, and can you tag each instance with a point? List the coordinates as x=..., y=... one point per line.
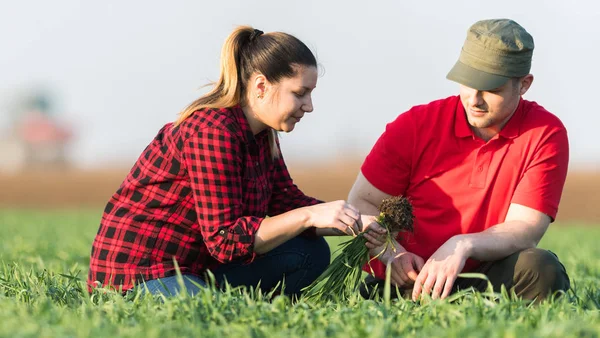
x=474, y=78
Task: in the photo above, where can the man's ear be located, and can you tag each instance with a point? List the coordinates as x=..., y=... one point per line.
x=526, y=82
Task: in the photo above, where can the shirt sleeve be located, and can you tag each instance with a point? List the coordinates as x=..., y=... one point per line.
x=541, y=186
x=286, y=195
x=212, y=158
x=387, y=167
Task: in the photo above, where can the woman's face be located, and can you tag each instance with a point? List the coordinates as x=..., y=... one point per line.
x=285, y=103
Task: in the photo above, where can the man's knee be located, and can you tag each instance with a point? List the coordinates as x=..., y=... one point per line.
x=538, y=274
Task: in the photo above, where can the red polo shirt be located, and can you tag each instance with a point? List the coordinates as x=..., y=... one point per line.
x=459, y=183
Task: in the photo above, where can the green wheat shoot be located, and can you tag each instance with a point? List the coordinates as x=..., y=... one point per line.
x=343, y=276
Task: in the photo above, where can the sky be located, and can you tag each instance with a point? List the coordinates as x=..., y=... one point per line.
x=119, y=70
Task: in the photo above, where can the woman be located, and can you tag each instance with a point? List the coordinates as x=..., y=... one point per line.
x=200, y=192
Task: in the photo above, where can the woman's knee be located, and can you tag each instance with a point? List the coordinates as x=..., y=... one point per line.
x=311, y=254
x=317, y=258
x=310, y=251
x=320, y=253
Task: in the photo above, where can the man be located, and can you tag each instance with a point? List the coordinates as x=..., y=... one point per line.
x=484, y=170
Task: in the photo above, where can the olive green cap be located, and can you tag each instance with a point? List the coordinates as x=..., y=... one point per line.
x=494, y=51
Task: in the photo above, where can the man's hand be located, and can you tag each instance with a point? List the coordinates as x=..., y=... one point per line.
x=440, y=271
x=405, y=265
x=405, y=268
x=375, y=234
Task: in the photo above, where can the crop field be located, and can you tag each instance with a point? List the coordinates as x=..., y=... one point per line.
x=43, y=264
x=44, y=255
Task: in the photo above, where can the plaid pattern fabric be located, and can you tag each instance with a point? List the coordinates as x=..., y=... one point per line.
x=197, y=195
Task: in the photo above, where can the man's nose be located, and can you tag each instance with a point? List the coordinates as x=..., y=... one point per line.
x=475, y=98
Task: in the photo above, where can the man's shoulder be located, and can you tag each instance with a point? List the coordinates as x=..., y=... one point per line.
x=449, y=102
x=539, y=116
x=439, y=106
x=433, y=114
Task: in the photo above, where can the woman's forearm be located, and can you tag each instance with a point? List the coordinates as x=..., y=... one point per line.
x=276, y=230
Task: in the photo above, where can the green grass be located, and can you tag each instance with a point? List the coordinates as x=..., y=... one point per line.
x=43, y=264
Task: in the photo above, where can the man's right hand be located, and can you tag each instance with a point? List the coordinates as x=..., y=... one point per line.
x=405, y=268
x=405, y=265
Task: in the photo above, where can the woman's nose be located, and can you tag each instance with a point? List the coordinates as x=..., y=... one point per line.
x=308, y=106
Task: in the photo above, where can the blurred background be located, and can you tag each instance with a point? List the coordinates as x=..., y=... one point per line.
x=85, y=86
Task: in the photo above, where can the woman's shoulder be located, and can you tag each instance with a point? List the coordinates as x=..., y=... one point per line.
x=222, y=119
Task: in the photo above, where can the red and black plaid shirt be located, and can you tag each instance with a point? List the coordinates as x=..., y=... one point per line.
x=197, y=194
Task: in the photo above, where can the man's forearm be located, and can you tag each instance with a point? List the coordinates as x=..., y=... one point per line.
x=365, y=207
x=501, y=240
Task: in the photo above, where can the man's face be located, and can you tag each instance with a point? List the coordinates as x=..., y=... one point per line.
x=488, y=111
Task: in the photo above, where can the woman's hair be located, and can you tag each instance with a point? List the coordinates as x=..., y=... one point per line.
x=247, y=51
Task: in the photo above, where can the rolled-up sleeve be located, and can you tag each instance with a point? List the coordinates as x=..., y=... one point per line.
x=212, y=157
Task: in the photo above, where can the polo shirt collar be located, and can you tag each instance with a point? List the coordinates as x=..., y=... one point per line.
x=461, y=125
x=511, y=130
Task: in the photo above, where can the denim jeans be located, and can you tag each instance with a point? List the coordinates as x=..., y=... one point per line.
x=169, y=286
x=297, y=262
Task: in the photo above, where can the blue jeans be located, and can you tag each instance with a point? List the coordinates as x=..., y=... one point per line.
x=297, y=262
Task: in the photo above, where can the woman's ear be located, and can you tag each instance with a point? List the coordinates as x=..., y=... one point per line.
x=259, y=86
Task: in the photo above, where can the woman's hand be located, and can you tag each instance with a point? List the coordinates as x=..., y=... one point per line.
x=338, y=215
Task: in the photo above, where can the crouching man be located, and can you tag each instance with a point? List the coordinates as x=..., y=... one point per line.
x=484, y=170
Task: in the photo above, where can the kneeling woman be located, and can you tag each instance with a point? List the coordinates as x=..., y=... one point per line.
x=200, y=192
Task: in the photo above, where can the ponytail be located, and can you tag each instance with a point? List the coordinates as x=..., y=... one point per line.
x=227, y=90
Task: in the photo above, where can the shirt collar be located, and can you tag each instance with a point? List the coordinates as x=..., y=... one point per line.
x=512, y=129
x=461, y=125
x=241, y=119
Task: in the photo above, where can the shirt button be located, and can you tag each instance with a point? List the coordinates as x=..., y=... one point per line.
x=222, y=232
x=480, y=168
x=256, y=164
